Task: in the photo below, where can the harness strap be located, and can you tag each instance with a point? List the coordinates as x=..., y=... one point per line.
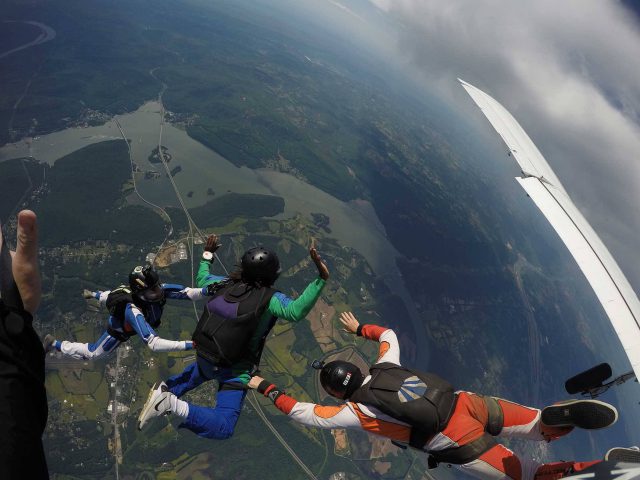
x=120, y=336
x=496, y=416
x=232, y=386
x=471, y=451
x=465, y=453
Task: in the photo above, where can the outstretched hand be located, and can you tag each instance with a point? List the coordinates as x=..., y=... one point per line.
x=88, y=294
x=25, y=269
x=212, y=243
x=349, y=322
x=255, y=382
x=323, y=271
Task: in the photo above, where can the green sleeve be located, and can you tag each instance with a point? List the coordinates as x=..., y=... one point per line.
x=284, y=307
x=203, y=277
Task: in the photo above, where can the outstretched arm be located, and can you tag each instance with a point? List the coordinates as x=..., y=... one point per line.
x=135, y=318
x=309, y=414
x=389, y=348
x=99, y=295
x=204, y=277
x=180, y=292
x=286, y=308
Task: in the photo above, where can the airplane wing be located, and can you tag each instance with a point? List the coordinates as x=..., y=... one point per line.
x=610, y=285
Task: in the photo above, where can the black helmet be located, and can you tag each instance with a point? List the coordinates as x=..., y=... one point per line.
x=145, y=282
x=260, y=265
x=339, y=378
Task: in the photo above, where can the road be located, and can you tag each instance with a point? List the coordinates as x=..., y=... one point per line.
x=254, y=403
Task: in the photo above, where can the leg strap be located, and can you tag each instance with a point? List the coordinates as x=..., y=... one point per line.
x=496, y=416
x=232, y=386
x=465, y=453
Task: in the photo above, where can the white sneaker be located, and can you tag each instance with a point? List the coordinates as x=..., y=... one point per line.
x=158, y=404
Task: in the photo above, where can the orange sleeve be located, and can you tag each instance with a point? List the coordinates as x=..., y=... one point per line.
x=372, y=332
x=384, y=348
x=394, y=431
x=285, y=403
x=324, y=411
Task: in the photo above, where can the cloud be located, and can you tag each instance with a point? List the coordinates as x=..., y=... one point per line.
x=569, y=73
x=346, y=9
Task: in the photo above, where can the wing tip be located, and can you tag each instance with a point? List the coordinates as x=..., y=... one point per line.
x=464, y=83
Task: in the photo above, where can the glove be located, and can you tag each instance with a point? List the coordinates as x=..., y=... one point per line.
x=88, y=294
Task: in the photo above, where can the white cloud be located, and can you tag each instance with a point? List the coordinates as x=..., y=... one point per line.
x=568, y=71
x=346, y=9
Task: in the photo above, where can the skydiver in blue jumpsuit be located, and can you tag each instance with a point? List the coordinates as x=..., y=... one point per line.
x=135, y=309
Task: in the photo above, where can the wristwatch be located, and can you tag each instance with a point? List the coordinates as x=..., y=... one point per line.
x=208, y=256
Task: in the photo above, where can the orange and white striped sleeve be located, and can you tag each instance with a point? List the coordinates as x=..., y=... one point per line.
x=310, y=414
x=324, y=416
x=389, y=350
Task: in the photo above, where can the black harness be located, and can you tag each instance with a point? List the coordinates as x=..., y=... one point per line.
x=117, y=302
x=472, y=450
x=229, y=321
x=423, y=400
x=426, y=402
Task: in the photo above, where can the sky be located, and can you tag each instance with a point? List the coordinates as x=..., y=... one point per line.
x=568, y=72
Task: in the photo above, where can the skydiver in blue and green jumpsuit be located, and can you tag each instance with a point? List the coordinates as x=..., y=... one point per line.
x=258, y=272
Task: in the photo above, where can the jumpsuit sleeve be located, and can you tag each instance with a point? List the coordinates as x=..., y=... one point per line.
x=347, y=415
x=389, y=350
x=311, y=414
x=180, y=292
x=203, y=277
x=282, y=306
x=102, y=297
x=134, y=317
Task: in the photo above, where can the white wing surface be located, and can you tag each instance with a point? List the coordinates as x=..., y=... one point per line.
x=601, y=270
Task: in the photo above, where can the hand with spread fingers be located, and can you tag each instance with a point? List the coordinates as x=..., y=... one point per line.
x=323, y=271
x=349, y=322
x=212, y=243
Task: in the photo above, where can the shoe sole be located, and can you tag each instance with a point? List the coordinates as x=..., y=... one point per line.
x=628, y=455
x=587, y=414
x=147, y=404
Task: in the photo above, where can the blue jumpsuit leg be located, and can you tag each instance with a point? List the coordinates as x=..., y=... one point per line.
x=217, y=422
x=190, y=378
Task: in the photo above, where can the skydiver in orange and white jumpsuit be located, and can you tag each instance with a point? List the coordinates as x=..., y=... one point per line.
x=423, y=411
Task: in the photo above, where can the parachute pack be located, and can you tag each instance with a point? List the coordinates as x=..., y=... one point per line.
x=423, y=400
x=229, y=321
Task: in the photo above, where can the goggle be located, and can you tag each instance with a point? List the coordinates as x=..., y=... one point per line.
x=317, y=364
